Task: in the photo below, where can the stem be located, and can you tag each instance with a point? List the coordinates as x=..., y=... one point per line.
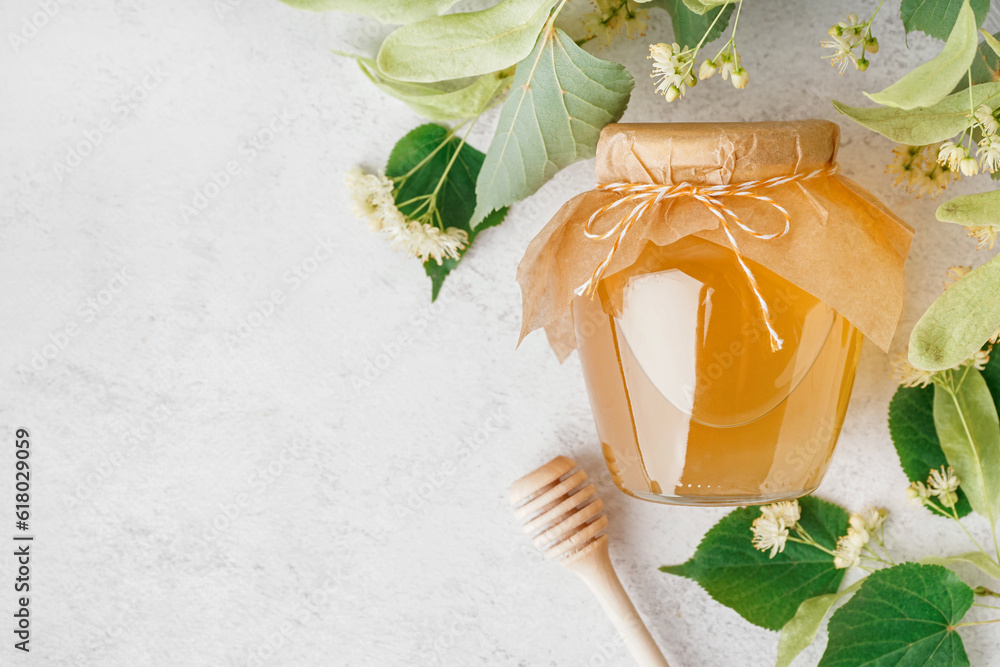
x=808, y=539
x=451, y=133
x=960, y=625
x=954, y=515
x=736, y=21
x=987, y=606
x=707, y=32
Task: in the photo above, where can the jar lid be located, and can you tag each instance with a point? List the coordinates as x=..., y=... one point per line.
x=713, y=153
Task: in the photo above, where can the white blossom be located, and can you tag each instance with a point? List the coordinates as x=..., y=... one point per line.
x=869, y=520
x=848, y=551
x=769, y=534
x=672, y=69
x=985, y=235
x=908, y=375
x=785, y=513
x=951, y=155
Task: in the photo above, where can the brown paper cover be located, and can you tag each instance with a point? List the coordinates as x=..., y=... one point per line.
x=843, y=246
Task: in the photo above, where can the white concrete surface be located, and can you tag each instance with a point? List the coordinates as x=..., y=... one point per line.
x=381, y=534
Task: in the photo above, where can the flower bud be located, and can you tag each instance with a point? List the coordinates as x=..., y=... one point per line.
x=691, y=80
x=673, y=92
x=871, y=45
x=863, y=64
x=740, y=78
x=707, y=69
x=969, y=166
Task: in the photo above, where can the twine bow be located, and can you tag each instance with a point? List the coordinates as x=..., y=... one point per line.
x=641, y=196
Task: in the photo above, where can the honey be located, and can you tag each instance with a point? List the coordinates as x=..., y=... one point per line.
x=691, y=403
x=717, y=283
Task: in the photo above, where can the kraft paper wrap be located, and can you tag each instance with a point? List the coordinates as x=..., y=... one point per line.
x=843, y=247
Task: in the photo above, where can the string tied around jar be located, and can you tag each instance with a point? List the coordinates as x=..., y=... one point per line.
x=641, y=196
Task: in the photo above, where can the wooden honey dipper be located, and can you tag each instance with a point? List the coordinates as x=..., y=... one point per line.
x=564, y=516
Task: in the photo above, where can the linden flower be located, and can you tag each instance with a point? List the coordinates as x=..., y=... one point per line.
x=906, y=165
x=672, y=66
x=372, y=201
x=423, y=240
x=769, y=534
x=740, y=78
x=707, y=69
x=987, y=121
x=954, y=274
x=978, y=360
x=843, y=53
x=908, y=375
x=989, y=154
x=612, y=17
x=969, y=166
x=985, y=235
x=918, y=493
x=786, y=513
x=369, y=193
x=951, y=155
x=870, y=520
x=943, y=483
x=848, y=551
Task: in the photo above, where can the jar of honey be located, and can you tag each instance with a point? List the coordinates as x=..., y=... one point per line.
x=718, y=284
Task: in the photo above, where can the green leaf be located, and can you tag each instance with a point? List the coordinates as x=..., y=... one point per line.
x=986, y=65
x=561, y=98
x=903, y=615
x=966, y=420
x=911, y=425
x=975, y=558
x=991, y=41
x=446, y=100
x=978, y=209
x=767, y=591
x=800, y=632
x=702, y=6
x=427, y=151
x=937, y=17
x=690, y=27
x=385, y=11
x=919, y=127
x=931, y=82
x=466, y=44
x=960, y=321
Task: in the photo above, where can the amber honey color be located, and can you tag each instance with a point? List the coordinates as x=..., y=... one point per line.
x=691, y=404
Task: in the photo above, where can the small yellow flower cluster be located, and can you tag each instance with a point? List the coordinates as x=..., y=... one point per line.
x=918, y=172
x=985, y=235
x=861, y=530
x=941, y=484
x=958, y=158
x=614, y=17
x=908, y=375
x=845, y=37
x=770, y=529
x=674, y=69
x=954, y=274
x=372, y=201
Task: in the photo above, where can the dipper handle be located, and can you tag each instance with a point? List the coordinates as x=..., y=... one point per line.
x=564, y=516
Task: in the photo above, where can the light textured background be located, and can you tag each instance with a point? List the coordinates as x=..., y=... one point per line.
x=372, y=527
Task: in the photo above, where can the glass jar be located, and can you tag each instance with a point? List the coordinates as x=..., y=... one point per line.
x=692, y=405
x=717, y=283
